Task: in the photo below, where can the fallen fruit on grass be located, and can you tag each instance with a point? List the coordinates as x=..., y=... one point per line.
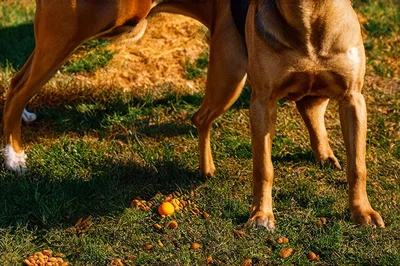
x=157, y=226
x=206, y=215
x=83, y=225
x=176, y=203
x=166, y=209
x=285, y=253
x=130, y=257
x=247, y=262
x=116, y=262
x=322, y=220
x=141, y=204
x=148, y=247
x=195, y=246
x=282, y=240
x=312, y=256
x=47, y=252
x=27, y=262
x=239, y=233
x=209, y=260
x=172, y=225
x=44, y=258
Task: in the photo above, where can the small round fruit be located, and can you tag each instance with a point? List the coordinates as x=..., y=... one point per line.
x=312, y=256
x=195, y=246
x=166, y=209
x=172, y=225
x=285, y=253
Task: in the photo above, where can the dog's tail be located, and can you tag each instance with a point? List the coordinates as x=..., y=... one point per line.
x=273, y=27
x=299, y=24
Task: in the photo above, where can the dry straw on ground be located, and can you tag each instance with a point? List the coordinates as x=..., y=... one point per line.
x=152, y=65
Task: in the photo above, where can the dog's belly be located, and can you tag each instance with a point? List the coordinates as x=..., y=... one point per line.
x=324, y=83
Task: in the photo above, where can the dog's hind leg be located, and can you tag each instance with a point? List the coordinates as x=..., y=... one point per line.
x=60, y=27
x=353, y=118
x=312, y=110
x=40, y=67
x=225, y=81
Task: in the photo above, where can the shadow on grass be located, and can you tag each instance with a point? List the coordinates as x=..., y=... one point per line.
x=41, y=200
x=299, y=156
x=16, y=44
x=125, y=112
x=99, y=186
x=118, y=120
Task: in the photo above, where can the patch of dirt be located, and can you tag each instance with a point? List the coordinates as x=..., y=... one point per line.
x=153, y=65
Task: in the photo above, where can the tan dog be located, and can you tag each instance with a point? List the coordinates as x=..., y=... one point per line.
x=307, y=51
x=279, y=67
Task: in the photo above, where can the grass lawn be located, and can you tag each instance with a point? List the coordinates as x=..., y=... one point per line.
x=93, y=156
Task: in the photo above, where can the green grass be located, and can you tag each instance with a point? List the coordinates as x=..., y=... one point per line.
x=17, y=42
x=382, y=25
x=198, y=68
x=94, y=158
x=89, y=57
x=16, y=31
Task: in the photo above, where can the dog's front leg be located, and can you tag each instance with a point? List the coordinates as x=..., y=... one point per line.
x=353, y=118
x=262, y=119
x=312, y=110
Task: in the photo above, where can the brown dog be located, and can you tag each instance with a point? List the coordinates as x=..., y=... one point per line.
x=289, y=56
x=307, y=51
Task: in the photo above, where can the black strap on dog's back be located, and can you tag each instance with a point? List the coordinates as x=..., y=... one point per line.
x=239, y=10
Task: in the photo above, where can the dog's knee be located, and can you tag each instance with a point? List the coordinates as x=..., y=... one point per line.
x=199, y=119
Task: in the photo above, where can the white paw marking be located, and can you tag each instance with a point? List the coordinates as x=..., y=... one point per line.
x=28, y=116
x=268, y=224
x=14, y=161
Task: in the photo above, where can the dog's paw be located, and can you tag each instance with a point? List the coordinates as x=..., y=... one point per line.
x=367, y=217
x=207, y=170
x=28, y=117
x=262, y=219
x=331, y=159
x=207, y=173
x=15, y=161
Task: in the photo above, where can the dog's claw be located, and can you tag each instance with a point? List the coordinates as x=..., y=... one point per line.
x=208, y=171
x=369, y=217
x=335, y=162
x=330, y=160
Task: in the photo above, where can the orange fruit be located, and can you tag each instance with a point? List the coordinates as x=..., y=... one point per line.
x=285, y=253
x=172, y=225
x=166, y=209
x=195, y=246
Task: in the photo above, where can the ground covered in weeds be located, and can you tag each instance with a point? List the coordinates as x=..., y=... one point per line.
x=114, y=140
